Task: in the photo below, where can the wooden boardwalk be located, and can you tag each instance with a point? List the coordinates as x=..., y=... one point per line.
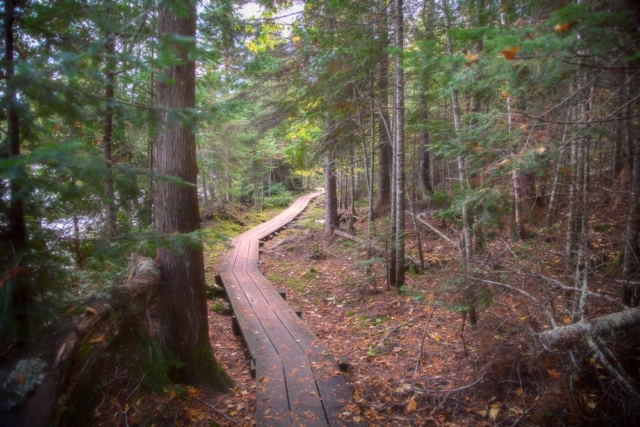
x=297, y=379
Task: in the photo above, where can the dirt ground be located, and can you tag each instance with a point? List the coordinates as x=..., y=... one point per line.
x=414, y=357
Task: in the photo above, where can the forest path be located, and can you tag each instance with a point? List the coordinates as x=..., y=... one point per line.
x=297, y=379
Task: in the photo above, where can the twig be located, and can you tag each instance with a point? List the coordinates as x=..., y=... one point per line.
x=126, y=419
x=464, y=387
x=217, y=410
x=491, y=282
x=399, y=326
x=134, y=390
x=569, y=288
x=424, y=336
x=435, y=230
x=520, y=417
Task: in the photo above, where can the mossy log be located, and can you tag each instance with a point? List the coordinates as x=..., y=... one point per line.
x=571, y=334
x=38, y=382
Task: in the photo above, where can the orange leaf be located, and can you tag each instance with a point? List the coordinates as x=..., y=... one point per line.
x=510, y=53
x=411, y=406
x=561, y=28
x=472, y=58
x=97, y=340
x=553, y=373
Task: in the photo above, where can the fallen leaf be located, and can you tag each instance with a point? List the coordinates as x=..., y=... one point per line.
x=494, y=411
x=435, y=336
x=98, y=339
x=519, y=391
x=472, y=58
x=411, y=406
x=510, y=53
x=561, y=28
x=554, y=374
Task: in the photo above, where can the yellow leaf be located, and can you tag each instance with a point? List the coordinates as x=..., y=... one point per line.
x=519, y=391
x=566, y=320
x=436, y=336
x=541, y=150
x=494, y=411
x=411, y=406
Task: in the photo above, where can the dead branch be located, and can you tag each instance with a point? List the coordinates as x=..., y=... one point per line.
x=570, y=334
x=435, y=230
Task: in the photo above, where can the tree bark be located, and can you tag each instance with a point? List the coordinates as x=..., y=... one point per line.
x=331, y=200
x=107, y=139
x=631, y=261
x=399, y=144
x=68, y=350
x=424, y=172
x=182, y=325
x=385, y=157
x=14, y=230
x=571, y=334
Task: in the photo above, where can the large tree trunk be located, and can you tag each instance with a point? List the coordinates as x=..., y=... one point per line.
x=399, y=144
x=107, y=138
x=66, y=352
x=14, y=230
x=331, y=200
x=182, y=325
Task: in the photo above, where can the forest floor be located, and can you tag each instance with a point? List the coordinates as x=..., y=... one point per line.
x=414, y=359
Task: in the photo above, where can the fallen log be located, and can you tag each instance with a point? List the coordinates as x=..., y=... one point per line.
x=571, y=334
x=37, y=384
x=365, y=244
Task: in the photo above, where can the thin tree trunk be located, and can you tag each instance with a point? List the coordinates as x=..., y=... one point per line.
x=424, y=167
x=385, y=158
x=182, y=322
x=330, y=202
x=107, y=139
x=399, y=143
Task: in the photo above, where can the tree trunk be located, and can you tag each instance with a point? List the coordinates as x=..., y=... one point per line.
x=182, y=325
x=631, y=261
x=399, y=143
x=14, y=229
x=571, y=334
x=424, y=168
x=107, y=138
x=331, y=200
x=385, y=157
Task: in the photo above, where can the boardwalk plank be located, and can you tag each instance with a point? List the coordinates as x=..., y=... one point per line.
x=272, y=403
x=297, y=380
